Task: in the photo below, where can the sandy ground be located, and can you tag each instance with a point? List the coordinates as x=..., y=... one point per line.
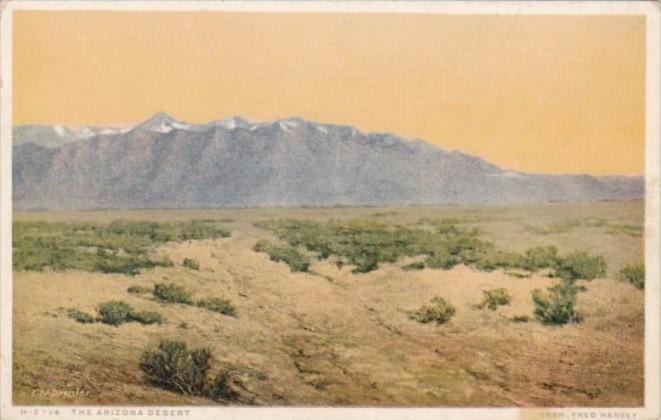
x=330, y=337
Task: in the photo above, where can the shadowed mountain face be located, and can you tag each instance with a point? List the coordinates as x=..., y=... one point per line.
x=164, y=163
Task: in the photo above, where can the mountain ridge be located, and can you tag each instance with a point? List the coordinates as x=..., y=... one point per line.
x=166, y=163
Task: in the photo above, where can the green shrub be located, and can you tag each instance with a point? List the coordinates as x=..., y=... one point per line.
x=173, y=367
x=499, y=259
x=287, y=254
x=518, y=274
x=82, y=317
x=494, y=298
x=539, y=258
x=442, y=259
x=414, y=266
x=520, y=318
x=581, y=265
x=139, y=289
x=365, y=266
x=114, y=312
x=222, y=306
x=439, y=310
x=146, y=317
x=192, y=264
x=556, y=304
x=171, y=293
x=634, y=273
x=220, y=389
x=130, y=266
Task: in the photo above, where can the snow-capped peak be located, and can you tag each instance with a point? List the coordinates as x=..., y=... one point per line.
x=287, y=125
x=85, y=132
x=231, y=123
x=60, y=130
x=163, y=123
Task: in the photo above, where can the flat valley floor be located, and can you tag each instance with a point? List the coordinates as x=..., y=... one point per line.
x=331, y=337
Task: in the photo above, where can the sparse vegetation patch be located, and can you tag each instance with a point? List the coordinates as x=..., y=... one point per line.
x=139, y=290
x=494, y=298
x=634, y=273
x=171, y=293
x=146, y=317
x=215, y=304
x=123, y=247
x=611, y=228
x=295, y=259
x=581, y=265
x=414, y=266
x=191, y=264
x=115, y=313
x=520, y=318
x=439, y=310
x=366, y=243
x=80, y=316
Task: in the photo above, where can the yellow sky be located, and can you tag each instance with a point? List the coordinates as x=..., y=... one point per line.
x=560, y=94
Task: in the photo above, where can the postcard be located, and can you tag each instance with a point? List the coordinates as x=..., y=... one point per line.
x=327, y=210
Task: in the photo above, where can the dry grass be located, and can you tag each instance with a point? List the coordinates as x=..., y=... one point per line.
x=330, y=337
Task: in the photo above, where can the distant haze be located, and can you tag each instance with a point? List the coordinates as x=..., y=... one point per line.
x=166, y=163
x=545, y=94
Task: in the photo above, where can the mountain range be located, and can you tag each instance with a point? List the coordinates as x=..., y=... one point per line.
x=165, y=163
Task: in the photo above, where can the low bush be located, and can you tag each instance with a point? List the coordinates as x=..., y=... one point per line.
x=173, y=367
x=494, y=298
x=556, y=304
x=581, y=266
x=146, y=317
x=634, y=273
x=139, y=289
x=442, y=259
x=171, y=293
x=538, y=258
x=499, y=259
x=222, y=306
x=366, y=265
x=220, y=389
x=114, y=312
x=520, y=318
x=80, y=316
x=191, y=264
x=414, y=266
x=130, y=266
x=439, y=310
x=287, y=254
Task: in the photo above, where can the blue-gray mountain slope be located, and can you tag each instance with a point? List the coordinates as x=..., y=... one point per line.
x=163, y=163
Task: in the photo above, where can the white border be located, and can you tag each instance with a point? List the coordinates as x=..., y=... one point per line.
x=651, y=10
